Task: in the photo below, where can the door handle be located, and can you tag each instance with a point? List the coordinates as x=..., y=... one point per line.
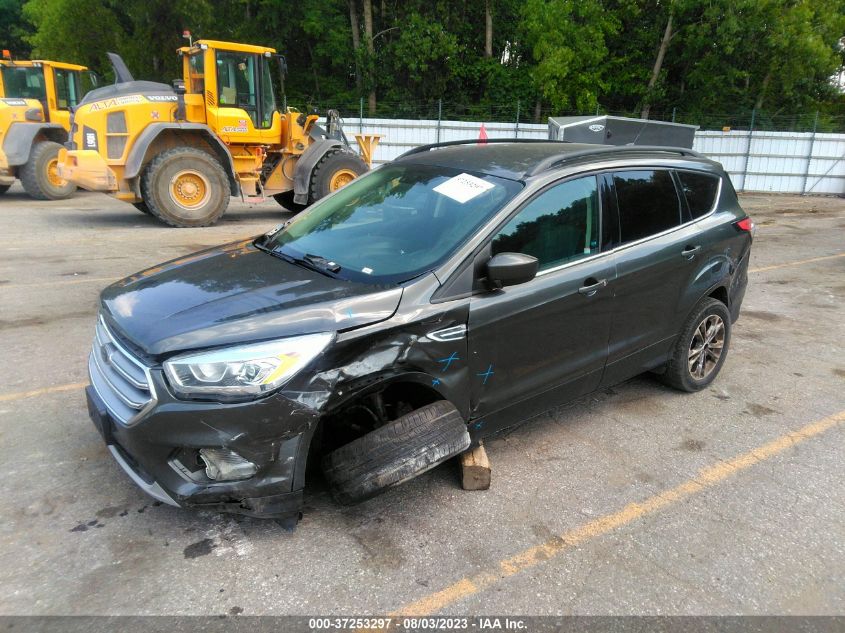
x=592, y=288
x=690, y=251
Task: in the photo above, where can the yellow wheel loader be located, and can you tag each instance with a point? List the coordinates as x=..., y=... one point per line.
x=36, y=99
x=179, y=153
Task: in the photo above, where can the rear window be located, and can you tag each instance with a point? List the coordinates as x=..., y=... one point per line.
x=700, y=190
x=648, y=203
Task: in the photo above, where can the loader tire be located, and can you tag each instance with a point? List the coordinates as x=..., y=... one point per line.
x=142, y=207
x=336, y=169
x=38, y=175
x=4, y=189
x=396, y=452
x=285, y=199
x=185, y=187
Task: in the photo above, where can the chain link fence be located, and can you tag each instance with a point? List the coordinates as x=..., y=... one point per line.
x=526, y=113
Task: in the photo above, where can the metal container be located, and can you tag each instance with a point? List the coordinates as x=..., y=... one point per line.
x=615, y=130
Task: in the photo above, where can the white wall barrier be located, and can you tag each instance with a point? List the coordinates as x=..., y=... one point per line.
x=782, y=162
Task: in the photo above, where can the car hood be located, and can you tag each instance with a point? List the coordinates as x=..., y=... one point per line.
x=236, y=293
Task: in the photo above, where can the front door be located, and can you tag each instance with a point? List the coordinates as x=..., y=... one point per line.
x=540, y=343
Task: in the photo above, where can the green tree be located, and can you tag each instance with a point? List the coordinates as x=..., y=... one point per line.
x=567, y=40
x=76, y=31
x=14, y=30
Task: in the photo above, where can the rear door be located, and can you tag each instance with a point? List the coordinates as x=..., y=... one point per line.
x=655, y=259
x=547, y=336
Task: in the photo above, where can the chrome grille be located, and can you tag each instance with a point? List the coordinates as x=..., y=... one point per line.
x=120, y=379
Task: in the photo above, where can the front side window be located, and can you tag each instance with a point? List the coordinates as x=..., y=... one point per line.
x=558, y=226
x=395, y=223
x=24, y=82
x=699, y=190
x=648, y=203
x=67, y=88
x=236, y=87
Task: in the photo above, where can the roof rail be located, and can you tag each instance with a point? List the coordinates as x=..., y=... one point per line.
x=425, y=148
x=565, y=157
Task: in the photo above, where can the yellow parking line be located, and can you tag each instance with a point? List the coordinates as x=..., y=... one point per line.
x=798, y=263
x=538, y=554
x=6, y=397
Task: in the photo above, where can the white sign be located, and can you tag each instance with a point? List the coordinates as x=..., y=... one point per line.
x=596, y=127
x=463, y=187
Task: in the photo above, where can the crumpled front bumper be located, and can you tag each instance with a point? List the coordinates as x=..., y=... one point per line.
x=86, y=169
x=159, y=450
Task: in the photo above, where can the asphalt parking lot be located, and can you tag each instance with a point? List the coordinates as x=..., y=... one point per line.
x=635, y=500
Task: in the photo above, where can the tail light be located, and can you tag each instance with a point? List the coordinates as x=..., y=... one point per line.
x=745, y=224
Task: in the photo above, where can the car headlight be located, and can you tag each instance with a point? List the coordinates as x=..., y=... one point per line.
x=243, y=371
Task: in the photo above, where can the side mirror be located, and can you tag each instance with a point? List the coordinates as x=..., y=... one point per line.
x=510, y=269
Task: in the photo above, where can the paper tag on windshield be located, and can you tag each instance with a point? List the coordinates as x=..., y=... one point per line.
x=463, y=187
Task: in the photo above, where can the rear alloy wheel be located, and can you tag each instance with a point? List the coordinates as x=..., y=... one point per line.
x=702, y=347
x=185, y=187
x=336, y=169
x=706, y=347
x=40, y=177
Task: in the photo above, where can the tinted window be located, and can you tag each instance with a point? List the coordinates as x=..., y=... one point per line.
x=700, y=191
x=559, y=225
x=648, y=203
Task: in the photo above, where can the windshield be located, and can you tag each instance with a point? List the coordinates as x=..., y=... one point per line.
x=23, y=82
x=396, y=222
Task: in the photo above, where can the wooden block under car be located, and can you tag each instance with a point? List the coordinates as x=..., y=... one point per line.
x=475, y=469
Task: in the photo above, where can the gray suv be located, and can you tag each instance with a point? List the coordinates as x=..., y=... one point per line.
x=427, y=305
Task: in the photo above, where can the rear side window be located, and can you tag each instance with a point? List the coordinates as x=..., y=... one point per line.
x=700, y=191
x=558, y=226
x=648, y=203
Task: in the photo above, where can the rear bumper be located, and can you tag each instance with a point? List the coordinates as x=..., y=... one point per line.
x=86, y=169
x=739, y=283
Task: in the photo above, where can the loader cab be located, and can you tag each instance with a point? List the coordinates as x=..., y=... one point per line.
x=235, y=81
x=59, y=87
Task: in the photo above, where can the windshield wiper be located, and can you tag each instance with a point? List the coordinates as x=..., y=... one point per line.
x=322, y=263
x=310, y=261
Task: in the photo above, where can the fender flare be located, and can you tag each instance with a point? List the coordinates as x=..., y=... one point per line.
x=135, y=159
x=19, y=139
x=305, y=166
